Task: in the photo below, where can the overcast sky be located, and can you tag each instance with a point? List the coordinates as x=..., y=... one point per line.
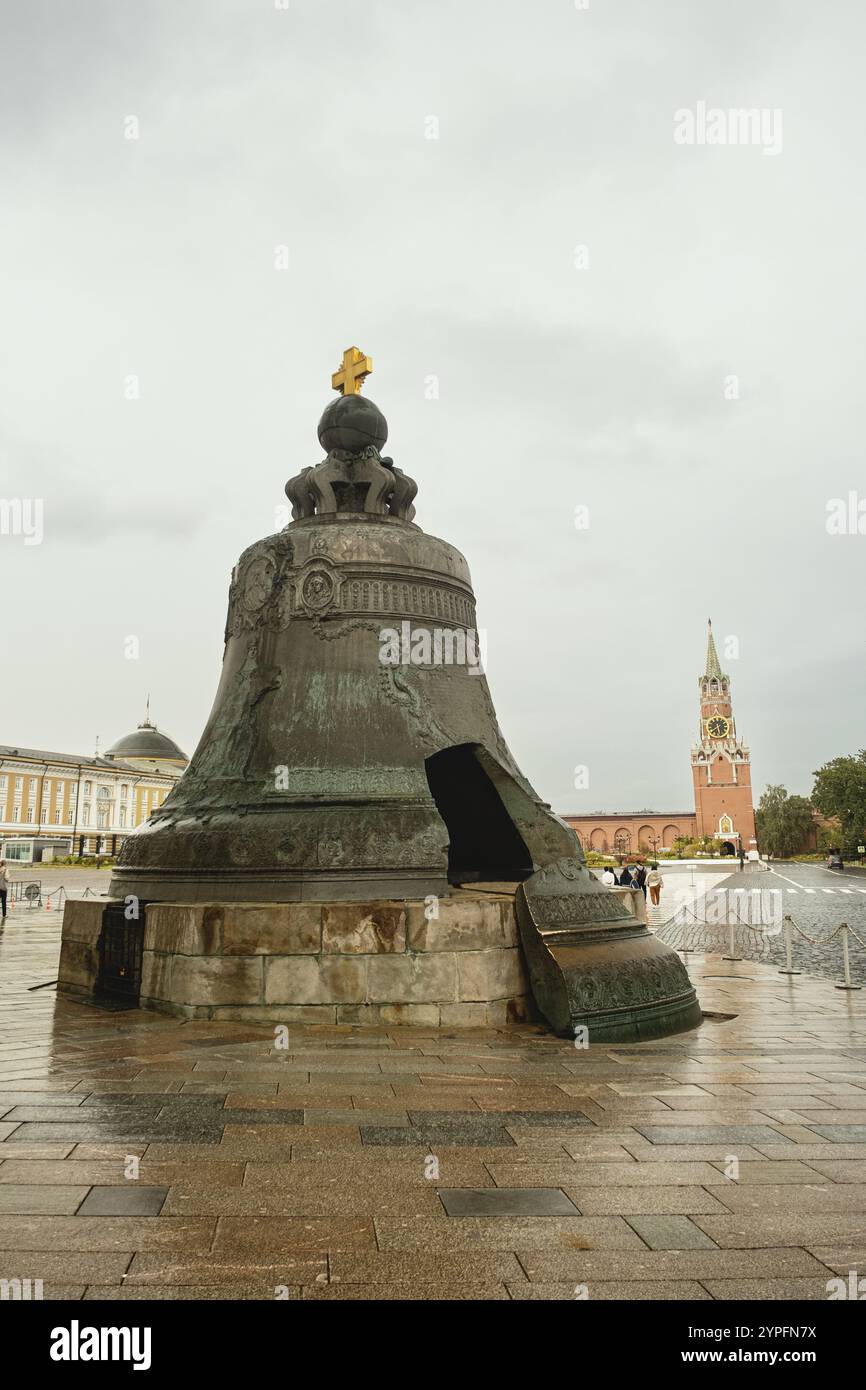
x=560, y=385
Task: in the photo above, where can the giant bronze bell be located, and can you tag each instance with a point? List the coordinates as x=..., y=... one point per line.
x=353, y=752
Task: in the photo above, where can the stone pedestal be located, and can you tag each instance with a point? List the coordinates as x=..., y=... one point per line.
x=455, y=962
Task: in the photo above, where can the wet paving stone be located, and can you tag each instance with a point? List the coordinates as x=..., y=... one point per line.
x=841, y=1133
x=670, y=1233
x=504, y=1201
x=62, y=1098
x=457, y=1136
x=130, y=1200
x=111, y=1132
x=348, y=1116
x=709, y=1134
x=40, y=1199
x=541, y=1119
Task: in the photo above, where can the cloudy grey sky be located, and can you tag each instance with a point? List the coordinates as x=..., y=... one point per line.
x=559, y=386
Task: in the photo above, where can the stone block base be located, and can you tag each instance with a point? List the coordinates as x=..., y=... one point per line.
x=452, y=962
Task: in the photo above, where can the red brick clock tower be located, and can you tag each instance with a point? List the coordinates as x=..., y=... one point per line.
x=721, y=764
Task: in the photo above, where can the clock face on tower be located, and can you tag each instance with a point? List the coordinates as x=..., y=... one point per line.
x=718, y=726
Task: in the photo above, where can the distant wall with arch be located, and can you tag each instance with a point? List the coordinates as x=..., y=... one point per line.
x=631, y=834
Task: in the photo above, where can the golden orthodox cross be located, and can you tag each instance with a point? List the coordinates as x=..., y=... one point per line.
x=350, y=378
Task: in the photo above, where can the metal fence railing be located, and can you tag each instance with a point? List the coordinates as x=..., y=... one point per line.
x=738, y=922
x=30, y=894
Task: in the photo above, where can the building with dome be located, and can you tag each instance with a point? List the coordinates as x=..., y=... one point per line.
x=149, y=749
x=55, y=804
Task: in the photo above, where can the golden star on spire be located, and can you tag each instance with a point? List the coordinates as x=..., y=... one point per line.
x=350, y=378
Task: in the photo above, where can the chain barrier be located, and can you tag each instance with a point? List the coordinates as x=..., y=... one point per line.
x=692, y=929
x=732, y=913
x=29, y=892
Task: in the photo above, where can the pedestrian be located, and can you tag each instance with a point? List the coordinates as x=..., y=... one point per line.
x=742, y=859
x=625, y=879
x=608, y=878
x=654, y=883
x=5, y=884
x=638, y=878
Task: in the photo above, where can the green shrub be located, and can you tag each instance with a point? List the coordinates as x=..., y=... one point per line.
x=87, y=861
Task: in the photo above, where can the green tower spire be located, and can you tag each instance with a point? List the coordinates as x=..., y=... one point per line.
x=713, y=668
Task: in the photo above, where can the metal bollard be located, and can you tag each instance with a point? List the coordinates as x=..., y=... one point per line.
x=789, y=970
x=731, y=944
x=846, y=963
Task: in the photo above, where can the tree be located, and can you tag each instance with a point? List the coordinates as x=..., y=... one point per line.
x=784, y=822
x=840, y=791
x=829, y=835
x=684, y=847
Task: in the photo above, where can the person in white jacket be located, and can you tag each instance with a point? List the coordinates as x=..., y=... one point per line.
x=608, y=878
x=654, y=883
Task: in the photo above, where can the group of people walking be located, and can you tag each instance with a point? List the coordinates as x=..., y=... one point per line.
x=636, y=876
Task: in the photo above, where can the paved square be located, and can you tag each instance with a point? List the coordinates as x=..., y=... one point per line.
x=145, y=1157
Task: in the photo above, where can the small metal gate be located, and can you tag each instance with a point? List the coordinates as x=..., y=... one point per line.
x=120, y=949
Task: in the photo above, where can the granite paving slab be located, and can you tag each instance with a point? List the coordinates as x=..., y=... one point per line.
x=589, y=1174
x=108, y=1233
x=504, y=1201
x=670, y=1232
x=644, y=1201
x=707, y=1134
x=134, y=1199
x=794, y=1227
x=286, y=1269
x=404, y=1293
x=351, y=1116
x=840, y=1133
x=65, y=1266
x=268, y=1236
x=23, y=1199
x=198, y=1293
x=812, y=1289
x=817, y=1196
x=586, y=1266
x=844, y=1170
x=619, y=1290
x=501, y=1232
x=356, y=1199
x=429, y=1135
x=418, y=1267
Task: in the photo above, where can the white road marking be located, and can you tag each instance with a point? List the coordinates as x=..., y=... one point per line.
x=792, y=890
x=849, y=891
x=801, y=887
x=789, y=880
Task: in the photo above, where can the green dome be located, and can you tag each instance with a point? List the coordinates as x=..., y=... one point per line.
x=147, y=742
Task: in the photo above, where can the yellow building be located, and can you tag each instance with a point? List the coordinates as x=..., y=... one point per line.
x=52, y=804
